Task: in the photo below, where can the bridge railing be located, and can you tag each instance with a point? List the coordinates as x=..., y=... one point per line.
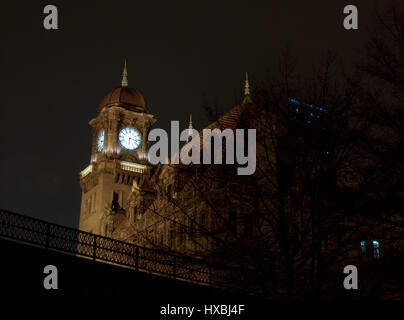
x=73, y=241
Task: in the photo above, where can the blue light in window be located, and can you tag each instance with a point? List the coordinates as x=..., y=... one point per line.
x=376, y=249
x=100, y=141
x=293, y=100
x=363, y=248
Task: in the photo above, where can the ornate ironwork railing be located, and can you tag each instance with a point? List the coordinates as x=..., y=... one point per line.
x=83, y=244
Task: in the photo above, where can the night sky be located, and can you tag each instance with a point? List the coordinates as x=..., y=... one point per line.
x=178, y=52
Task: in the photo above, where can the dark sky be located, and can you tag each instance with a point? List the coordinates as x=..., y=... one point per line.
x=178, y=52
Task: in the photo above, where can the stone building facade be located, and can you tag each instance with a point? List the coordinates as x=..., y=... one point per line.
x=162, y=206
x=256, y=222
x=118, y=158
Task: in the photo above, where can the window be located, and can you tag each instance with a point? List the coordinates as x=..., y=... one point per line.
x=115, y=201
x=116, y=197
x=363, y=248
x=376, y=249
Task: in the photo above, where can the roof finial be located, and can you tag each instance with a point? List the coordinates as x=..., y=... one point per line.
x=190, y=128
x=247, y=85
x=247, y=97
x=190, y=121
x=124, y=82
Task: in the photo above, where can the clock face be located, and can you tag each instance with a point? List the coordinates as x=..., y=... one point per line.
x=129, y=138
x=100, y=141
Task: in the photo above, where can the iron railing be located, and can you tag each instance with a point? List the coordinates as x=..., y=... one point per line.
x=103, y=249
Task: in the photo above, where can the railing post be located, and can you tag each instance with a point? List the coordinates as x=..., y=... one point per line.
x=47, y=236
x=95, y=247
x=175, y=267
x=210, y=276
x=137, y=259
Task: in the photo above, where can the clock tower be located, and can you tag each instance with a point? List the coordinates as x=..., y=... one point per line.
x=118, y=158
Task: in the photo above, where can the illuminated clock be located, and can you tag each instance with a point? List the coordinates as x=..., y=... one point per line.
x=129, y=138
x=100, y=141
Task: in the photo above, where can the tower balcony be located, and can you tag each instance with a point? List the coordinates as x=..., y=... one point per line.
x=132, y=167
x=86, y=171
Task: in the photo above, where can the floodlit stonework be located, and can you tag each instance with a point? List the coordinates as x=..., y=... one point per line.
x=107, y=182
x=126, y=198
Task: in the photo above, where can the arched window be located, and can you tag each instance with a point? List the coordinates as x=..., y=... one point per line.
x=376, y=249
x=363, y=248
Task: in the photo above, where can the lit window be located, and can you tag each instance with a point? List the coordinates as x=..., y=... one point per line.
x=363, y=248
x=100, y=141
x=376, y=249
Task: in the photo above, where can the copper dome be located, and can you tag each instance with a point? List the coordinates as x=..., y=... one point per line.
x=125, y=97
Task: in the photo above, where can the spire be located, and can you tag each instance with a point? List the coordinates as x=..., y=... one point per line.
x=190, y=122
x=247, y=98
x=246, y=86
x=190, y=127
x=124, y=82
